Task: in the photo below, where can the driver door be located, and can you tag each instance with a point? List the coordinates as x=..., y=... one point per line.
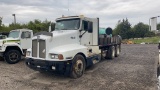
x=26, y=39
x=86, y=38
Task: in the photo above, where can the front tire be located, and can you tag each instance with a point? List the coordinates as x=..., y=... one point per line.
x=78, y=66
x=1, y=59
x=12, y=56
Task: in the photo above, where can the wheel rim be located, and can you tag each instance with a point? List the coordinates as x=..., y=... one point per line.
x=13, y=56
x=78, y=67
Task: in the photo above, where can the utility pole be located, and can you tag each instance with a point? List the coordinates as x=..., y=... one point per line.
x=14, y=15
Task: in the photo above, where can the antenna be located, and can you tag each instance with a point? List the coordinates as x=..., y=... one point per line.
x=68, y=7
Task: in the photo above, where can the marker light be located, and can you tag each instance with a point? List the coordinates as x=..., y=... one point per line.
x=28, y=53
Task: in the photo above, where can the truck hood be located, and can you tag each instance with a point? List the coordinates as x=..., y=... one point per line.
x=63, y=37
x=9, y=40
x=59, y=38
x=63, y=32
x=55, y=39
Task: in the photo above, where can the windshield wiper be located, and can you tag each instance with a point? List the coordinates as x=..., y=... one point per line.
x=64, y=29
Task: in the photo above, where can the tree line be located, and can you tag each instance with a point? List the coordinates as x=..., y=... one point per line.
x=123, y=28
x=140, y=30
x=35, y=25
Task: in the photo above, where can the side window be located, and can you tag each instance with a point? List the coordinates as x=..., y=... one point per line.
x=26, y=34
x=85, y=25
x=4, y=37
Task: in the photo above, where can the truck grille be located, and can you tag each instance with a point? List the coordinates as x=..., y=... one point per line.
x=42, y=51
x=42, y=47
x=34, y=48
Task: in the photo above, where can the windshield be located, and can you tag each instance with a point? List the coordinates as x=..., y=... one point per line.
x=67, y=24
x=14, y=34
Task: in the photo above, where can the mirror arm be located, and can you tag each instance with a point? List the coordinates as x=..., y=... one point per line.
x=80, y=30
x=80, y=36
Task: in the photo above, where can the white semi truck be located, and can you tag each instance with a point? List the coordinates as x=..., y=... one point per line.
x=74, y=45
x=15, y=45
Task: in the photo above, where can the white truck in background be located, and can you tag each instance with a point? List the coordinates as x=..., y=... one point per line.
x=3, y=37
x=15, y=45
x=74, y=45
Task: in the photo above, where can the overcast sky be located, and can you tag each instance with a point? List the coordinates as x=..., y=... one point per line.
x=109, y=11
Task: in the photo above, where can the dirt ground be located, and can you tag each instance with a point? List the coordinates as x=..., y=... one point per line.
x=134, y=69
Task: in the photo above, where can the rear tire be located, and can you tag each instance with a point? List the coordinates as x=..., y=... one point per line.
x=110, y=53
x=12, y=56
x=120, y=47
x=117, y=51
x=78, y=66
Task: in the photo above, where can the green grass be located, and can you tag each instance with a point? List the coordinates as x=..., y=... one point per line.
x=147, y=40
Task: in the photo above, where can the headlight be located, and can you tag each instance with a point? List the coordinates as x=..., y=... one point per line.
x=56, y=56
x=28, y=53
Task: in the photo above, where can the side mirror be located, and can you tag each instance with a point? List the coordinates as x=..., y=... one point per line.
x=90, y=27
x=109, y=31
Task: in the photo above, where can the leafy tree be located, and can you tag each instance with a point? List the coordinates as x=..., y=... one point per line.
x=140, y=30
x=149, y=34
x=5, y=28
x=13, y=26
x=35, y=25
x=38, y=25
x=124, y=29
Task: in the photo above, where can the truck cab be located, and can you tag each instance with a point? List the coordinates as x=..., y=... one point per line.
x=70, y=48
x=15, y=45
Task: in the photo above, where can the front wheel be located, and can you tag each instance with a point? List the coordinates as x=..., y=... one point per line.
x=78, y=66
x=1, y=58
x=12, y=56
